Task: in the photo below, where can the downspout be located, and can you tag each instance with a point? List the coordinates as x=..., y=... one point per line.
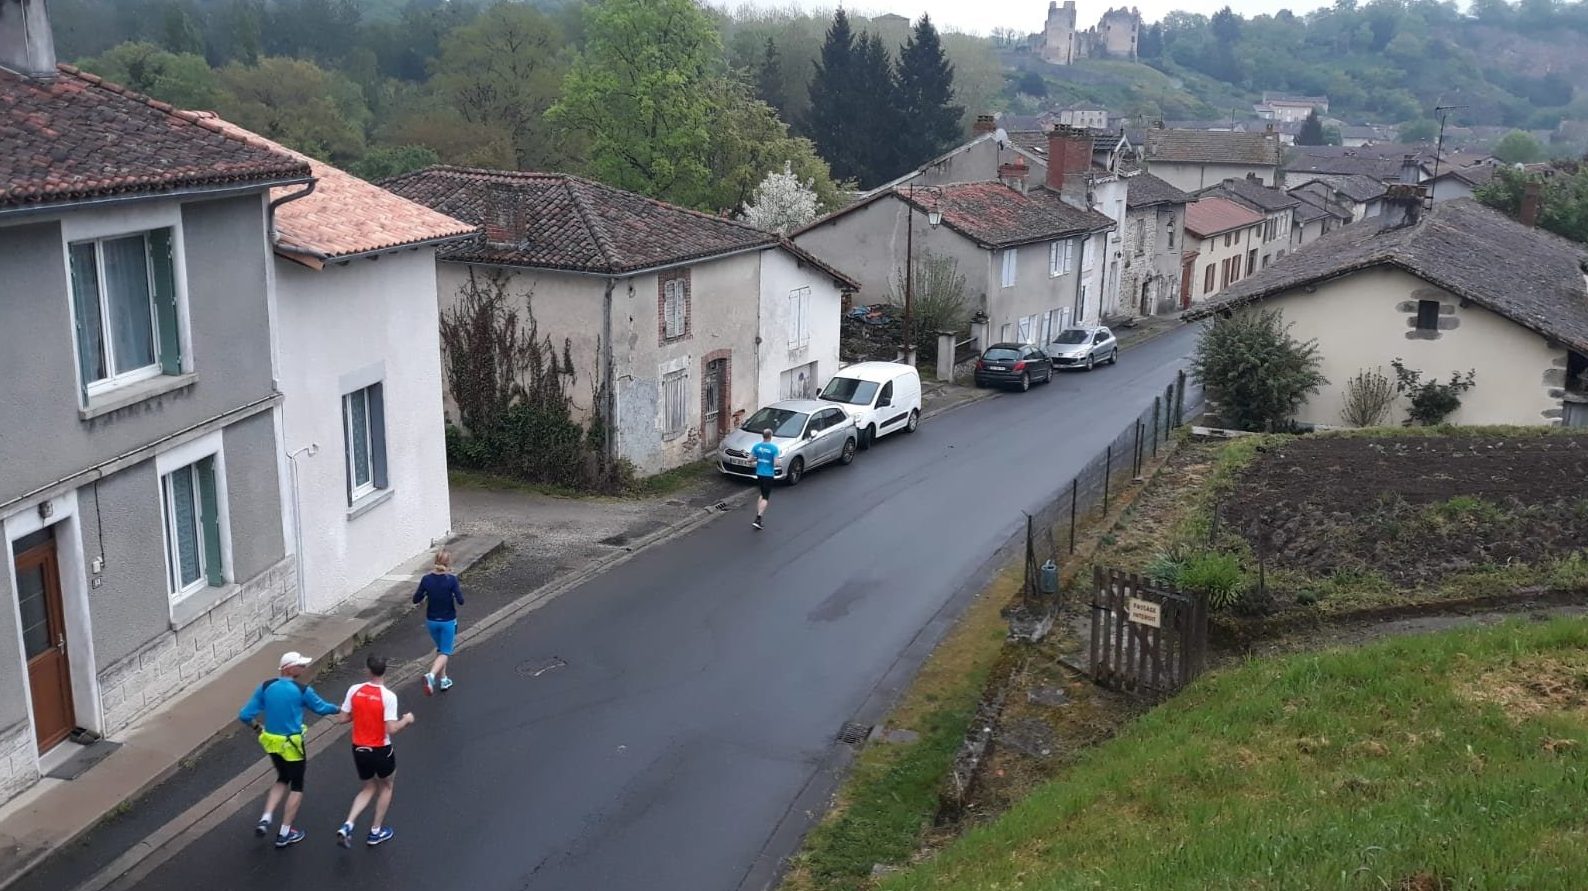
x=270, y=213
x=609, y=384
x=311, y=450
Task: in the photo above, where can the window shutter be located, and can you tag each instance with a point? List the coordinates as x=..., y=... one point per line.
x=163, y=263
x=347, y=449
x=377, y=435
x=210, y=522
x=82, y=270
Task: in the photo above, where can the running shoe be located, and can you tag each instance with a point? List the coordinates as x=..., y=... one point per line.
x=261, y=828
x=757, y=523
x=446, y=684
x=430, y=684
x=291, y=838
x=344, y=835
x=376, y=836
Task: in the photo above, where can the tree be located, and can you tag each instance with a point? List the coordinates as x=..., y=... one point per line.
x=1518, y=148
x=185, y=81
x=748, y=141
x=769, y=78
x=388, y=161
x=1255, y=370
x=640, y=95
x=1032, y=84
x=1563, y=198
x=182, y=34
x=926, y=96
x=1423, y=130
x=880, y=127
x=505, y=69
x=455, y=140
x=1150, y=45
x=781, y=203
x=938, y=299
x=298, y=104
x=1311, y=130
x=833, y=106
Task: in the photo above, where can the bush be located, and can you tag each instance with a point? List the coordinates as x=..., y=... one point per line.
x=1368, y=398
x=1255, y=370
x=1431, y=401
x=1167, y=568
x=1218, y=575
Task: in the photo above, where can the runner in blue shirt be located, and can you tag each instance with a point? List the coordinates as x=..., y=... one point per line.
x=765, y=454
x=280, y=702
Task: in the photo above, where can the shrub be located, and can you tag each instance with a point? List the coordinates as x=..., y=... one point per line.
x=938, y=301
x=1255, y=370
x=1368, y=397
x=1431, y=401
x=1218, y=575
x=1167, y=568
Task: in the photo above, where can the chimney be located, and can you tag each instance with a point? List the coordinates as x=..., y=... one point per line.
x=26, y=44
x=504, y=223
x=985, y=123
x=1014, y=173
x=1411, y=171
x=1403, y=205
x=1532, y=198
x=1069, y=159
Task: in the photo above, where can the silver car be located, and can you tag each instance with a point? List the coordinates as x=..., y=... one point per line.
x=807, y=433
x=1083, y=347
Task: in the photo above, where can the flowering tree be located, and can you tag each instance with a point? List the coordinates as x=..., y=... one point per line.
x=781, y=202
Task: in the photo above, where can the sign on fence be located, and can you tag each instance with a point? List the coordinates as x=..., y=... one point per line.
x=1145, y=639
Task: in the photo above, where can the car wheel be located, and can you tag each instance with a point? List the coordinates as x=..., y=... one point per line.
x=868, y=436
x=1113, y=358
x=847, y=456
x=1025, y=381
x=796, y=472
x=1047, y=377
x=914, y=422
x=1091, y=361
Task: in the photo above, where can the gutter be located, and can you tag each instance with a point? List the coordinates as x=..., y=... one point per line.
x=270, y=211
x=318, y=259
x=55, y=207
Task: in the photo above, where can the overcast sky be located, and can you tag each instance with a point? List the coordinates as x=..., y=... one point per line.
x=981, y=16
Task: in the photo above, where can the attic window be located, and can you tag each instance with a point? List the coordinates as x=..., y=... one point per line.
x=1428, y=315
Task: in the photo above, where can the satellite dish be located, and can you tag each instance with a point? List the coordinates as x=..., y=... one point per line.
x=1002, y=136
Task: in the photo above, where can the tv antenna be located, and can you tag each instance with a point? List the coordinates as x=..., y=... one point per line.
x=1439, y=149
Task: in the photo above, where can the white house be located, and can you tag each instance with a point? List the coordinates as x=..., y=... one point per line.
x=1226, y=240
x=677, y=323
x=1195, y=159
x=1454, y=288
x=358, y=357
x=1277, y=207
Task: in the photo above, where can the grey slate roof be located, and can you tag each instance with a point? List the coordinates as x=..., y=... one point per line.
x=1357, y=187
x=1145, y=190
x=1532, y=277
x=1253, y=194
x=1314, y=207
x=1211, y=147
x=1382, y=169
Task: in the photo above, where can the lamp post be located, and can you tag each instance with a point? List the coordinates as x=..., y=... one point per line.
x=934, y=216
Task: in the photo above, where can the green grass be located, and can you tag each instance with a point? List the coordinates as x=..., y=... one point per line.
x=664, y=483
x=1452, y=757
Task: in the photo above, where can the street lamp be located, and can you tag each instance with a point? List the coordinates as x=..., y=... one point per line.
x=934, y=217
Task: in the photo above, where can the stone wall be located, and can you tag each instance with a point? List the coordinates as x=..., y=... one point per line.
x=18, y=761
x=178, y=659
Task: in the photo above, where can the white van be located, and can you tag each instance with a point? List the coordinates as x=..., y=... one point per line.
x=882, y=397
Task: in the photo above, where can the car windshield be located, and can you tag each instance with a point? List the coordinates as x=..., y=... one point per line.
x=1000, y=354
x=850, y=391
x=781, y=421
x=1073, y=335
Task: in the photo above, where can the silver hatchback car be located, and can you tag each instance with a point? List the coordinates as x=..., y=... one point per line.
x=808, y=433
x=1083, y=347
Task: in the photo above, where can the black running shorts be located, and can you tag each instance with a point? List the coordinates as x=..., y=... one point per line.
x=374, y=762
x=766, y=486
x=289, y=772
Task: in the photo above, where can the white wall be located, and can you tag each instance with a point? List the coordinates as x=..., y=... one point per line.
x=377, y=319
x=782, y=274
x=1108, y=199
x=1188, y=177
x=1363, y=321
x=1213, y=251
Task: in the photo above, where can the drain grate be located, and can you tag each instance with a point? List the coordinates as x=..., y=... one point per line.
x=852, y=734
x=721, y=506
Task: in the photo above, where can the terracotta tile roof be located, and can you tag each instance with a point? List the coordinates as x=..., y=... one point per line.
x=345, y=215
x=79, y=137
x=1211, y=147
x=1145, y=190
x=565, y=222
x=1212, y=215
x=995, y=216
x=1530, y=276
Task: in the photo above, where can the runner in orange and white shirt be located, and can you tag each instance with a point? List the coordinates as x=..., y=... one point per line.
x=372, y=709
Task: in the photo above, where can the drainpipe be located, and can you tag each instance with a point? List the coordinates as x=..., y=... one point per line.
x=609, y=384
x=294, y=196
x=311, y=450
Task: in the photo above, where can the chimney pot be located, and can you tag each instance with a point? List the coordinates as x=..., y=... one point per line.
x=1532, y=200
x=27, y=45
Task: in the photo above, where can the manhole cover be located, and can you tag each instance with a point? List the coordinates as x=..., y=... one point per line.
x=853, y=734
x=534, y=668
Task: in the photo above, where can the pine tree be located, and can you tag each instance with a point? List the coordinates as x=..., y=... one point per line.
x=880, y=124
x=769, y=78
x=833, y=109
x=926, y=96
x=1311, y=130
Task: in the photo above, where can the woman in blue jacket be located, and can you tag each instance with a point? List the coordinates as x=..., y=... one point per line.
x=442, y=594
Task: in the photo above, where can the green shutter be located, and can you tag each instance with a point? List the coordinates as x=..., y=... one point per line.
x=210, y=522
x=347, y=454
x=377, y=435
x=160, y=257
x=83, y=272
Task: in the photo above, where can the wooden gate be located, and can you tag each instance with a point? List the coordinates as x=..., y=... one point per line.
x=1145, y=639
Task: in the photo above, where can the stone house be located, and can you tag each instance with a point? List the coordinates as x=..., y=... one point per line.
x=1454, y=288
x=1196, y=159
x=362, y=424
x=142, y=488
x=1084, y=115
x=1290, y=109
x=1226, y=240
x=1032, y=263
x=677, y=323
x=1361, y=196
x=1277, y=207
x=1154, y=239
x=1315, y=216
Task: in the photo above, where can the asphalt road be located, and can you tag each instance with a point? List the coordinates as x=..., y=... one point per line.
x=704, y=680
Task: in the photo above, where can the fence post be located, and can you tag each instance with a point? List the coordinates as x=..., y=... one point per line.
x=1108, y=470
x=1075, y=488
x=946, y=354
x=1157, y=407
x=1179, y=402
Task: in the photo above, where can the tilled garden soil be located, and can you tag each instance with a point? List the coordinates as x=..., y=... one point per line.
x=1413, y=508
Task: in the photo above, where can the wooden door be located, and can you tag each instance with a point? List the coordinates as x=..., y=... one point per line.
x=44, y=640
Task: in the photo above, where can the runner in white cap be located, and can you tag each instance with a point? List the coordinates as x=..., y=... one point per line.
x=282, y=700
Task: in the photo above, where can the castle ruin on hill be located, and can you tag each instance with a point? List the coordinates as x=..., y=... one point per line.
x=1114, y=36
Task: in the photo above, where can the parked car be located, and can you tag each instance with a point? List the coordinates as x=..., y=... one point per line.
x=1013, y=364
x=1084, y=347
x=882, y=397
x=807, y=433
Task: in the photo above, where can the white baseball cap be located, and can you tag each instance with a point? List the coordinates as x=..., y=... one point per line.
x=294, y=659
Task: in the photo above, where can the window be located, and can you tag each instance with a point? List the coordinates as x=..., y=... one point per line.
x=1055, y=324
x=191, y=510
x=1087, y=258
x=1251, y=261
x=364, y=430
x=1141, y=237
x=675, y=306
x=799, y=314
x=1207, y=279
x=1006, y=333
x=1171, y=233
x=1227, y=239
x=1009, y=268
x=1080, y=305
x=124, y=310
x=675, y=404
x=1027, y=328
x=1428, y=315
x=1061, y=257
